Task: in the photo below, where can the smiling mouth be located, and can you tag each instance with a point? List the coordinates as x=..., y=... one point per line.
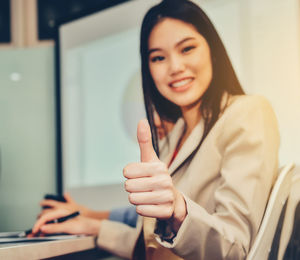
x=181, y=83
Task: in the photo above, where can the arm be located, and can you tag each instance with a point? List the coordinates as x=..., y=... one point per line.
x=248, y=145
x=126, y=215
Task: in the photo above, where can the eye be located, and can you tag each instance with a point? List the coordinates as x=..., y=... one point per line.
x=188, y=49
x=157, y=58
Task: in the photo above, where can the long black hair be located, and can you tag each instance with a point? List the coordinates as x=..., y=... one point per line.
x=224, y=79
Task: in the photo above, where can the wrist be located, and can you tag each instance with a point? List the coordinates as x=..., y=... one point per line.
x=99, y=215
x=93, y=227
x=179, y=213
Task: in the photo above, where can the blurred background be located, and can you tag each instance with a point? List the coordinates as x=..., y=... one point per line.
x=69, y=104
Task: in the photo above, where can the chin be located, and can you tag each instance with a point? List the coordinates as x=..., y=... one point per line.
x=186, y=101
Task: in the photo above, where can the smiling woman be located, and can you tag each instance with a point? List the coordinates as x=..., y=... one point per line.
x=181, y=67
x=200, y=192
x=194, y=198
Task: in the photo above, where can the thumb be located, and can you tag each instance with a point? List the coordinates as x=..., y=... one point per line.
x=145, y=142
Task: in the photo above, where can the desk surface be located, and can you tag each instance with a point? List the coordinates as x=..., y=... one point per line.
x=40, y=250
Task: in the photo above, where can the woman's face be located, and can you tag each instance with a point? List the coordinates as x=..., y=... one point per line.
x=179, y=62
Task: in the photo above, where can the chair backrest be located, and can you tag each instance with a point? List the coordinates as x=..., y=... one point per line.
x=290, y=222
x=279, y=194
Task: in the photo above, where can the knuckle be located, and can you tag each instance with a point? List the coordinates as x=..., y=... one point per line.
x=129, y=169
x=167, y=182
x=168, y=212
x=139, y=210
x=169, y=197
x=164, y=168
x=125, y=171
x=126, y=185
x=44, y=229
x=161, y=167
x=131, y=198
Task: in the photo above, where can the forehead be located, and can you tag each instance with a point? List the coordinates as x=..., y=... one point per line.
x=170, y=31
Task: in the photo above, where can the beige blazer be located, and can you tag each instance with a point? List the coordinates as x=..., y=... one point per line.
x=225, y=184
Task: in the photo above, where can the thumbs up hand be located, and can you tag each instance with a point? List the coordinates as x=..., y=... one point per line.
x=150, y=185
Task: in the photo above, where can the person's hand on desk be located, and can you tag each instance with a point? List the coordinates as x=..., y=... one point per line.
x=71, y=205
x=77, y=225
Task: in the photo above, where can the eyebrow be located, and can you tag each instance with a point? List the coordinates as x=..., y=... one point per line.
x=177, y=44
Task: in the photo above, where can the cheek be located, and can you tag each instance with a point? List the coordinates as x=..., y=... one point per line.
x=158, y=75
x=199, y=61
x=203, y=68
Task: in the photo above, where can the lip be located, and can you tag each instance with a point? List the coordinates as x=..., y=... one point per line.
x=187, y=81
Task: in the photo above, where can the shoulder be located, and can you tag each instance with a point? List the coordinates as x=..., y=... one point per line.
x=250, y=115
x=248, y=102
x=244, y=107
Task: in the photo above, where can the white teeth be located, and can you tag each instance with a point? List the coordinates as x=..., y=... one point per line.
x=181, y=83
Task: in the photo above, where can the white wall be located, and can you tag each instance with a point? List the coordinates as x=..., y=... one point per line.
x=262, y=38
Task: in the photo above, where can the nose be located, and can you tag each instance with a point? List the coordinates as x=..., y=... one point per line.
x=176, y=65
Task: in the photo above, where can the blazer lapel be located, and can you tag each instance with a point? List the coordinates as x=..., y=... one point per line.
x=167, y=149
x=187, y=148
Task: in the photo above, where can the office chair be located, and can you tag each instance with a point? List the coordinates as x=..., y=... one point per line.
x=262, y=244
x=290, y=235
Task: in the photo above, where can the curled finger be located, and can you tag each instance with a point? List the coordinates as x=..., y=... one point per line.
x=163, y=211
x=152, y=198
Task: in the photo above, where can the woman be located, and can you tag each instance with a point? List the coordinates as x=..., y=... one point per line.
x=203, y=190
